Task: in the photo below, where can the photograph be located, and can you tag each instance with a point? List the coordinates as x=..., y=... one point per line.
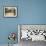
x=10, y=11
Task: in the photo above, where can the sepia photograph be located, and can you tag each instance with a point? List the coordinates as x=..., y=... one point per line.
x=10, y=11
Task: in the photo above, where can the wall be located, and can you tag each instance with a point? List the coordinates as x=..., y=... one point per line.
x=29, y=12
x=7, y=25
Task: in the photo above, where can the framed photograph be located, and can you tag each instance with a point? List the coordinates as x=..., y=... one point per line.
x=10, y=11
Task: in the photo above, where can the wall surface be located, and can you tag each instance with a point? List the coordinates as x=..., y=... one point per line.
x=29, y=12
x=7, y=25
